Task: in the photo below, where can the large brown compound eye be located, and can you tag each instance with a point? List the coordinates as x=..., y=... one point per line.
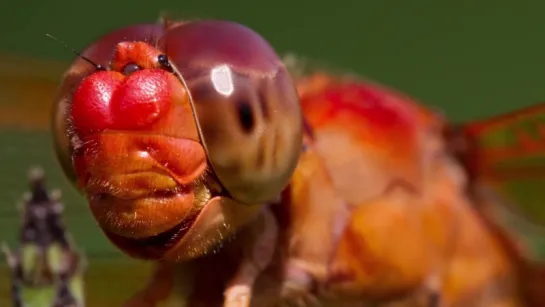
x=245, y=102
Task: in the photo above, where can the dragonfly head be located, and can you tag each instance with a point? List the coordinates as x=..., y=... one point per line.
x=179, y=138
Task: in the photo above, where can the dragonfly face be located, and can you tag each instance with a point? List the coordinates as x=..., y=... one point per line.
x=174, y=134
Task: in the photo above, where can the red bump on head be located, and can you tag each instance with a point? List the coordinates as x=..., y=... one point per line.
x=91, y=102
x=110, y=100
x=143, y=98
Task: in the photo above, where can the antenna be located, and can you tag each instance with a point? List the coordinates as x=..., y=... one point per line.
x=97, y=66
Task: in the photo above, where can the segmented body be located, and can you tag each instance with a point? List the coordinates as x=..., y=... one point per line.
x=376, y=213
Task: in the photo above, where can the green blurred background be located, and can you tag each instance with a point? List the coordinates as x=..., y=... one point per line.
x=469, y=58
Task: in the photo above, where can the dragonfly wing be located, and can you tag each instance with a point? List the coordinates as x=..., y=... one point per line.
x=507, y=160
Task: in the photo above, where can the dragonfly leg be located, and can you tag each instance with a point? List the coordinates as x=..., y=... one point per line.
x=258, y=254
x=297, y=288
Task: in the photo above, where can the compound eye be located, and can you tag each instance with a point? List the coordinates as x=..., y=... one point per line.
x=246, y=105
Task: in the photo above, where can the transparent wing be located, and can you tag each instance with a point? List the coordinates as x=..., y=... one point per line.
x=508, y=161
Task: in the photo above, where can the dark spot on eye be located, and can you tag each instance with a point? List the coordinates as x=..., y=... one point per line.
x=245, y=116
x=163, y=61
x=130, y=68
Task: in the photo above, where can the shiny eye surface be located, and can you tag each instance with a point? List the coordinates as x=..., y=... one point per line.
x=246, y=105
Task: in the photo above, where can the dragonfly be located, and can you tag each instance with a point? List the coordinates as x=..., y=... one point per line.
x=265, y=183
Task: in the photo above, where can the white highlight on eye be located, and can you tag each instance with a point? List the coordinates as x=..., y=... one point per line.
x=222, y=79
